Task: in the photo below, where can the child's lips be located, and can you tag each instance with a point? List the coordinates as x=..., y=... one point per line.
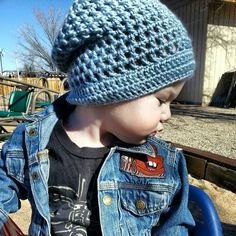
x=160, y=131
x=153, y=133
x=156, y=133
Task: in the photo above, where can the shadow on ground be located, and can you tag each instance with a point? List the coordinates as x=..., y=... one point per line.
x=228, y=229
x=201, y=113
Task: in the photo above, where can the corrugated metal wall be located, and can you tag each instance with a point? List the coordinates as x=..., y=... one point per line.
x=222, y=13
x=194, y=15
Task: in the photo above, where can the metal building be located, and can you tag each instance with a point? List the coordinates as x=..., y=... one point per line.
x=212, y=27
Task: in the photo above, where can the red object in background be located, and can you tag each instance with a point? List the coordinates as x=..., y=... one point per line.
x=10, y=228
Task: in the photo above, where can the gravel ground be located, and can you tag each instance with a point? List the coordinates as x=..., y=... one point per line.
x=210, y=129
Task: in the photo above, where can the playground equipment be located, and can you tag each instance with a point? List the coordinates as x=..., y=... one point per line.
x=18, y=104
x=24, y=98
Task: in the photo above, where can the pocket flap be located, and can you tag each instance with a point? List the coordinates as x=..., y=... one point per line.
x=15, y=164
x=141, y=202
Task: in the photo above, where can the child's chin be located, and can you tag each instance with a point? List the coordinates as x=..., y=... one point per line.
x=136, y=142
x=141, y=141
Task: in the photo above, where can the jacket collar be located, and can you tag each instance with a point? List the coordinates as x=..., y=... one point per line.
x=146, y=148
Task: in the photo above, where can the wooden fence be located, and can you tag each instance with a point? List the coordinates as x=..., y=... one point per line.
x=53, y=84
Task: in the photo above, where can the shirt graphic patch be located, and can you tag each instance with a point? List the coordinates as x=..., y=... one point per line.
x=143, y=167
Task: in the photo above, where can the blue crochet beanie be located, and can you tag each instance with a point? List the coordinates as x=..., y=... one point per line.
x=118, y=50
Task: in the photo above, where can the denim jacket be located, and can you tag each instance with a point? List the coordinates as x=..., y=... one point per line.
x=133, y=199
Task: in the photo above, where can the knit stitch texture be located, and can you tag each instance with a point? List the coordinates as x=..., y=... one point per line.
x=118, y=50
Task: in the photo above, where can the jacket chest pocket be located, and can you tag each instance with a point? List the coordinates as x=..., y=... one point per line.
x=15, y=164
x=141, y=209
x=144, y=202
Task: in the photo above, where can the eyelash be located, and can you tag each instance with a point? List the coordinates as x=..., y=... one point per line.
x=161, y=101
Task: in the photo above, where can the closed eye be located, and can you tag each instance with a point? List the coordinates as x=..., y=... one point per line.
x=161, y=101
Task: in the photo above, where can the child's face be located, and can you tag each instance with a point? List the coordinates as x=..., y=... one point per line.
x=133, y=121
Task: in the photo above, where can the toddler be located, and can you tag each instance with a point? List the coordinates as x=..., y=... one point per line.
x=92, y=163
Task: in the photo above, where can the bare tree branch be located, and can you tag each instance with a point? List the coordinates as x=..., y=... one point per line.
x=37, y=44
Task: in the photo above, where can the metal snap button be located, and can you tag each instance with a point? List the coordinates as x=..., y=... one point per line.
x=35, y=175
x=107, y=200
x=140, y=205
x=32, y=132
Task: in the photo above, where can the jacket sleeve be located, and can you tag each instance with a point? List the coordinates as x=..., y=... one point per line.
x=178, y=220
x=10, y=187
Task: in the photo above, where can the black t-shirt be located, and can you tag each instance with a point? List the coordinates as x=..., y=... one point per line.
x=73, y=185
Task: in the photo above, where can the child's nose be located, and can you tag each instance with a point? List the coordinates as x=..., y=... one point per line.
x=166, y=113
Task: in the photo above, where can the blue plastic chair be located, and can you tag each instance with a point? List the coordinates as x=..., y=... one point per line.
x=209, y=224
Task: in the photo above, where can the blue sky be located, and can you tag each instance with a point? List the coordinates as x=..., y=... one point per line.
x=14, y=15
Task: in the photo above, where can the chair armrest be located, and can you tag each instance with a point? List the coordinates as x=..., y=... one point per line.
x=210, y=225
